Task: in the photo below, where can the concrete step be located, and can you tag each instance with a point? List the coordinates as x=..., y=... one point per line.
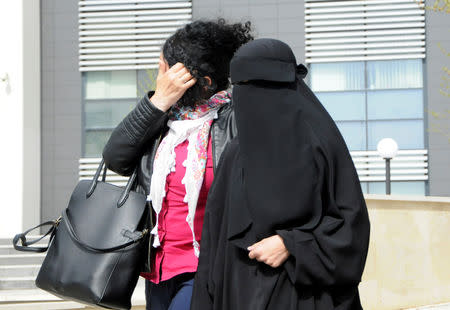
x=19, y=270
x=20, y=283
x=444, y=306
x=9, y=249
x=36, y=294
x=35, y=299
x=17, y=283
x=25, y=295
x=57, y=305
x=24, y=258
x=49, y=305
x=8, y=241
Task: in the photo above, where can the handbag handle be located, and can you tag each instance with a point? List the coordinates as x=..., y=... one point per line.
x=123, y=198
x=26, y=244
x=135, y=236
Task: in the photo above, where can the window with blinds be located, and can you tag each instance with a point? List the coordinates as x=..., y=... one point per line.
x=125, y=34
x=354, y=30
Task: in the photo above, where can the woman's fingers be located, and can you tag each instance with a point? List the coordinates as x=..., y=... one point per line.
x=252, y=254
x=171, y=84
x=254, y=251
x=175, y=68
x=180, y=72
x=190, y=83
x=185, y=77
x=270, y=251
x=254, y=245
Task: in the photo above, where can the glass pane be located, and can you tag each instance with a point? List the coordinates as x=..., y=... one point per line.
x=354, y=134
x=405, y=73
x=146, y=81
x=110, y=84
x=377, y=188
x=392, y=104
x=416, y=188
x=407, y=133
x=95, y=140
x=106, y=113
x=364, y=187
x=337, y=76
x=344, y=106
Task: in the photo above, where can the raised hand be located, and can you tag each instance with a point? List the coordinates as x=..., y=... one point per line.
x=171, y=84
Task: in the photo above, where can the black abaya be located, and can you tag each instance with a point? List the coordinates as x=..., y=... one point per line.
x=288, y=173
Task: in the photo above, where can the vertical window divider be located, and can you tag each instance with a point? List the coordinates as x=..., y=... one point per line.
x=366, y=110
x=83, y=114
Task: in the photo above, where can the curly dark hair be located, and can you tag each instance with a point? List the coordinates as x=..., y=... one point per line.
x=206, y=47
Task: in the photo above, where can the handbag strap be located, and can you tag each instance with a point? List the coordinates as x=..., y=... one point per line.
x=25, y=244
x=126, y=192
x=134, y=236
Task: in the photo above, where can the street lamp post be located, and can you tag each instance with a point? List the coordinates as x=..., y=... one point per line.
x=387, y=148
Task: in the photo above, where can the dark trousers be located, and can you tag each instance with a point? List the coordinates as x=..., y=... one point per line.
x=173, y=294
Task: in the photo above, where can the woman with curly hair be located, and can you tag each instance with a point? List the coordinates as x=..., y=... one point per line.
x=175, y=136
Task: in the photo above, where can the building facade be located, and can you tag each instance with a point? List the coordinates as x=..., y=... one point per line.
x=376, y=65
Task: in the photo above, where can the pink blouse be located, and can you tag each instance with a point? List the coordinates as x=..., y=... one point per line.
x=176, y=255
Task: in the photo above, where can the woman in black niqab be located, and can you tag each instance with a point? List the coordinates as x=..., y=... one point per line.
x=288, y=174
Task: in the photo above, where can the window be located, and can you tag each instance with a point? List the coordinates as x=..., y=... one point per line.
x=416, y=188
x=372, y=100
x=108, y=96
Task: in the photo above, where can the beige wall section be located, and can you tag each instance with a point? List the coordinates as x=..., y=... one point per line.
x=409, y=255
x=31, y=158
x=20, y=116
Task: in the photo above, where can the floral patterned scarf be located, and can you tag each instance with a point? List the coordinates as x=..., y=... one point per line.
x=192, y=124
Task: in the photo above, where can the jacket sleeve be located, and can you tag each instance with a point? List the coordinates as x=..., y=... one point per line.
x=334, y=252
x=127, y=141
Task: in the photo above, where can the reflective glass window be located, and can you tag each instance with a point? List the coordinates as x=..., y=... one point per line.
x=395, y=104
x=405, y=73
x=108, y=97
x=337, y=76
x=416, y=188
x=344, y=106
x=409, y=134
x=354, y=134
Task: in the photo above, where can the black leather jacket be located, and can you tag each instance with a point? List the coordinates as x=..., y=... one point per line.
x=135, y=141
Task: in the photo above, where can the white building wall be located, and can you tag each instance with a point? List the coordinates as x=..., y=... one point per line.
x=20, y=116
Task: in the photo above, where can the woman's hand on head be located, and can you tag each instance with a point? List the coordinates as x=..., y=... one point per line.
x=270, y=251
x=171, y=84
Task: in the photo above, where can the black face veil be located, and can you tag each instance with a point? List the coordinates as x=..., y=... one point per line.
x=280, y=171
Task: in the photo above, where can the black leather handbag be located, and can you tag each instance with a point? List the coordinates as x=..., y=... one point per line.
x=97, y=246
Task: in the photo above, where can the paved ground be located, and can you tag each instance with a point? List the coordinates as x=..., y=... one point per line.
x=445, y=306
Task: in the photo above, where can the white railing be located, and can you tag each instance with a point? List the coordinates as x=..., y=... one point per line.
x=88, y=166
x=408, y=165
